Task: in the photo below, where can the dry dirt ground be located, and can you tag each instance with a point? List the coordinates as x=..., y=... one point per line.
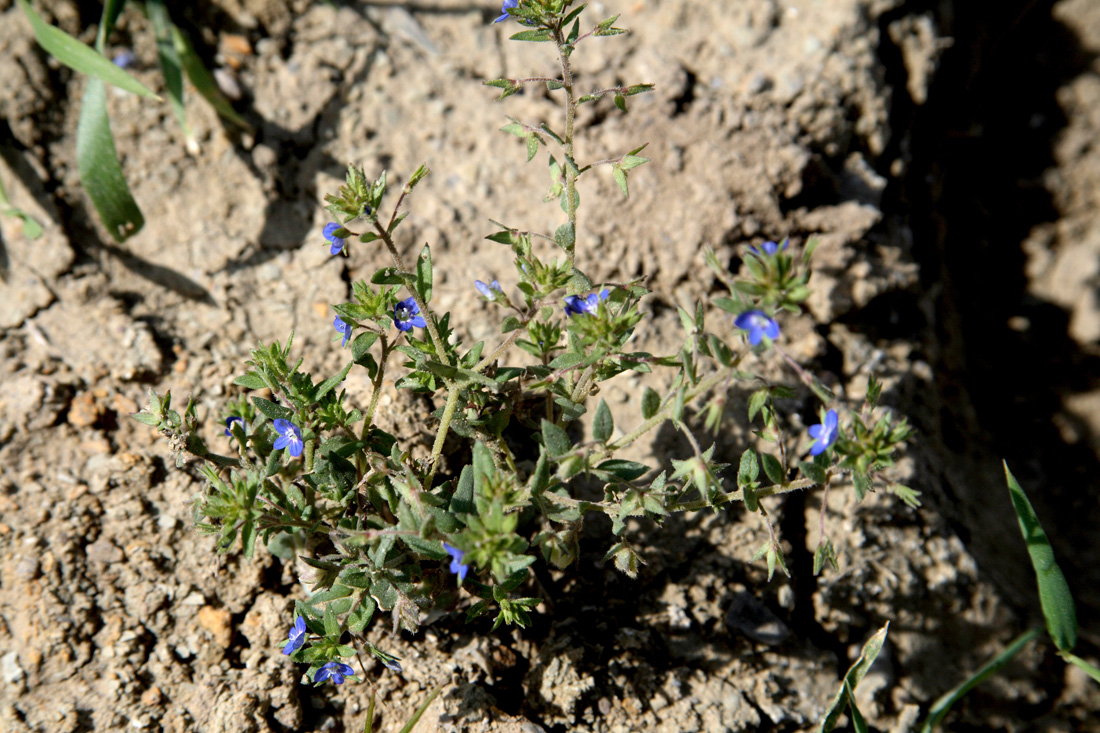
x=948, y=158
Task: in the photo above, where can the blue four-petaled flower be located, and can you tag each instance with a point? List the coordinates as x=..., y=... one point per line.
x=335, y=671
x=758, y=324
x=407, y=314
x=489, y=291
x=343, y=328
x=769, y=248
x=825, y=433
x=504, y=9
x=229, y=424
x=290, y=437
x=575, y=305
x=458, y=567
x=330, y=235
x=297, y=636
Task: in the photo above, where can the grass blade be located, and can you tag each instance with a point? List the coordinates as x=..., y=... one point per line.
x=1054, y=592
x=100, y=172
x=420, y=710
x=1090, y=670
x=170, y=64
x=852, y=679
x=944, y=703
x=79, y=57
x=204, y=80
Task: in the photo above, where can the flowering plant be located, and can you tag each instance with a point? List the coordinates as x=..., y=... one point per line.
x=383, y=532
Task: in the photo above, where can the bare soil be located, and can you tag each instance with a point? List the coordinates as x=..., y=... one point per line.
x=947, y=156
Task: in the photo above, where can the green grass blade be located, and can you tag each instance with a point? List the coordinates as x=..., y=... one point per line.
x=100, y=172
x=1054, y=592
x=420, y=710
x=944, y=703
x=852, y=679
x=204, y=81
x=31, y=228
x=169, y=63
x=1090, y=670
x=858, y=721
x=79, y=57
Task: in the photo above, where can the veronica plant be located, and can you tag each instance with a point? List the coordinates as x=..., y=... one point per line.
x=380, y=531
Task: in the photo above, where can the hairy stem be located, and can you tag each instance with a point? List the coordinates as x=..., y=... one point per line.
x=570, y=163
x=441, y=435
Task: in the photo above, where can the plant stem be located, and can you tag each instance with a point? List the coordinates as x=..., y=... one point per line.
x=376, y=385
x=570, y=162
x=441, y=435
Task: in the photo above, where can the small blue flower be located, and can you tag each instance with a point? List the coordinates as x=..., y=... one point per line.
x=576, y=305
x=229, y=424
x=335, y=671
x=489, y=291
x=457, y=566
x=504, y=9
x=769, y=248
x=407, y=314
x=758, y=325
x=824, y=434
x=393, y=665
x=290, y=437
x=330, y=235
x=297, y=636
x=124, y=59
x=344, y=328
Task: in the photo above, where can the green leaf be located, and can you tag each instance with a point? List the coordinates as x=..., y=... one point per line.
x=813, y=472
x=603, y=423
x=361, y=344
x=941, y=707
x=532, y=146
x=203, y=80
x=80, y=57
x=651, y=402
x=100, y=173
x=749, y=469
x=773, y=469
x=327, y=386
x=626, y=470
x=854, y=676
x=361, y=614
x=251, y=380
x=620, y=101
x=825, y=553
x=633, y=161
x=757, y=400
x=620, y=179
x=424, y=274
x=272, y=410
x=537, y=35
x=555, y=439
x=461, y=376
x=565, y=237
x=463, y=500
x=1054, y=592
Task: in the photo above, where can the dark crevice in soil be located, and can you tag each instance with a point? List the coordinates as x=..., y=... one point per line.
x=684, y=100
x=983, y=142
x=800, y=562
